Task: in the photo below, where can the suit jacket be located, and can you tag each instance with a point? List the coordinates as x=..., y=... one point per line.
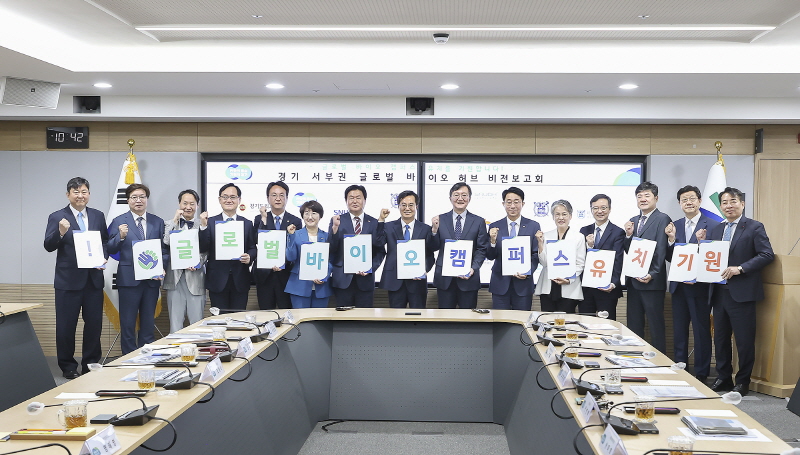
x=154, y=230
x=499, y=284
x=217, y=271
x=369, y=225
x=612, y=239
x=750, y=249
x=195, y=279
x=572, y=290
x=261, y=275
x=680, y=237
x=474, y=229
x=654, y=227
x=67, y=274
x=295, y=285
x=390, y=233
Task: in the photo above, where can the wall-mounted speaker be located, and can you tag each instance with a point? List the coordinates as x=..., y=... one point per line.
x=759, y=140
x=419, y=106
x=26, y=92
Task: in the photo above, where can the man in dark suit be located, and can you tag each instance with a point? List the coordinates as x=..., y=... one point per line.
x=271, y=283
x=734, y=303
x=76, y=290
x=690, y=300
x=604, y=235
x=407, y=292
x=458, y=224
x=136, y=297
x=646, y=294
x=512, y=292
x=227, y=281
x=354, y=289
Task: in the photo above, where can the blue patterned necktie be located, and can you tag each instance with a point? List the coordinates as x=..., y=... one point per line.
x=229, y=219
x=407, y=234
x=642, y=220
x=727, y=234
x=140, y=227
x=277, y=222
x=513, y=229
x=597, y=237
x=81, y=224
x=458, y=227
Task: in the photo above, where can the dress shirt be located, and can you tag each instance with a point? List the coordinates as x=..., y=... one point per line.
x=602, y=231
x=144, y=222
x=85, y=216
x=733, y=228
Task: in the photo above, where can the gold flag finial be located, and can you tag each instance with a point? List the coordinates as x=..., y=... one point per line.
x=131, y=168
x=131, y=142
x=718, y=146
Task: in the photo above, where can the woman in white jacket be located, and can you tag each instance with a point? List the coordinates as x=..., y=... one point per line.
x=560, y=294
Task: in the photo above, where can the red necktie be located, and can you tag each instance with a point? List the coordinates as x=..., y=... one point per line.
x=358, y=226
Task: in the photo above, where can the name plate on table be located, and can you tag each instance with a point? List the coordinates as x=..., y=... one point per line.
x=611, y=444
x=214, y=371
x=550, y=354
x=590, y=411
x=564, y=375
x=104, y=442
x=245, y=347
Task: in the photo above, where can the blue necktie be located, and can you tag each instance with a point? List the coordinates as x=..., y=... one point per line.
x=597, y=237
x=407, y=234
x=642, y=220
x=229, y=219
x=140, y=227
x=513, y=229
x=81, y=224
x=277, y=222
x=458, y=227
x=728, y=230
x=689, y=231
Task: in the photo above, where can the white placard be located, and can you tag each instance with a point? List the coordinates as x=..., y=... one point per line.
x=357, y=253
x=288, y=317
x=314, y=257
x=564, y=375
x=245, y=347
x=636, y=263
x=561, y=257
x=598, y=268
x=148, y=262
x=410, y=259
x=550, y=354
x=213, y=371
x=590, y=411
x=88, y=249
x=228, y=240
x=271, y=249
x=104, y=442
x=457, y=257
x=184, y=249
x=611, y=444
x=542, y=330
x=516, y=255
x=684, y=265
x=713, y=257
x=272, y=330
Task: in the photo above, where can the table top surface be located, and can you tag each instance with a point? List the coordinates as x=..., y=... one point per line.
x=12, y=308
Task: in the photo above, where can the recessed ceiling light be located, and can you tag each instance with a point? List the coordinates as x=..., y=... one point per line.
x=449, y=86
x=628, y=86
x=257, y=16
x=274, y=86
x=102, y=85
x=644, y=16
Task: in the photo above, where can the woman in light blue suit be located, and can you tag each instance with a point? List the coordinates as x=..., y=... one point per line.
x=304, y=293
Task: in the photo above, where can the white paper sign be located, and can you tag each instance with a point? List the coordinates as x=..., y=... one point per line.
x=228, y=240
x=410, y=259
x=516, y=255
x=564, y=375
x=88, y=249
x=272, y=330
x=589, y=410
x=314, y=257
x=184, y=249
x=550, y=354
x=684, y=265
x=611, y=444
x=713, y=257
x=213, y=371
x=457, y=257
x=541, y=330
x=147, y=259
x=598, y=268
x=636, y=263
x=104, y=442
x=561, y=258
x=357, y=253
x=288, y=317
x=245, y=347
x=271, y=249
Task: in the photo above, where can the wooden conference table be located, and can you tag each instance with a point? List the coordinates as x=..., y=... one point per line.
x=375, y=364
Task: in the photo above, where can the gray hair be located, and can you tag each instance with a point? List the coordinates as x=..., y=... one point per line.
x=562, y=202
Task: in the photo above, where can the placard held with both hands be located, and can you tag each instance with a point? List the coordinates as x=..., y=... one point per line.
x=357, y=253
x=184, y=249
x=271, y=249
x=636, y=263
x=410, y=259
x=88, y=249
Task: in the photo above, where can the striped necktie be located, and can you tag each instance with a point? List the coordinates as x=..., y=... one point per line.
x=642, y=220
x=357, y=229
x=458, y=227
x=728, y=230
x=140, y=227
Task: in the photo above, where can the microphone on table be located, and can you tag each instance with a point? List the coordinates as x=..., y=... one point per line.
x=216, y=312
x=536, y=324
x=226, y=355
x=179, y=383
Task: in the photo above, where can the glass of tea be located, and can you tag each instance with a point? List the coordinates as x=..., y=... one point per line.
x=73, y=414
x=188, y=352
x=146, y=378
x=645, y=409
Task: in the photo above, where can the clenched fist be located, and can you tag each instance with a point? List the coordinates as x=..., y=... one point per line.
x=435, y=224
x=123, y=231
x=63, y=226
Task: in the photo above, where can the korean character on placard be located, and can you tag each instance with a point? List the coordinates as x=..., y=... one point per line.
x=314, y=259
x=295, y=176
x=712, y=260
x=281, y=176
x=329, y=176
x=342, y=177
x=473, y=177
x=517, y=254
x=443, y=177
x=462, y=177
x=411, y=176
x=411, y=258
x=597, y=268
x=458, y=257
x=690, y=257
x=539, y=178
x=362, y=176
x=390, y=176
x=271, y=249
x=184, y=249
x=315, y=176
x=229, y=239
x=376, y=176
x=432, y=177
x=640, y=257
x=493, y=178
x=503, y=178
x=359, y=251
x=527, y=179
x=561, y=256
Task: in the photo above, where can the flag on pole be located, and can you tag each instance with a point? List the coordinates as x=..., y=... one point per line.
x=715, y=183
x=119, y=205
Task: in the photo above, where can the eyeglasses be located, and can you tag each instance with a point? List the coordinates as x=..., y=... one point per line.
x=138, y=198
x=225, y=197
x=688, y=199
x=408, y=206
x=459, y=196
x=278, y=196
x=597, y=209
x=512, y=202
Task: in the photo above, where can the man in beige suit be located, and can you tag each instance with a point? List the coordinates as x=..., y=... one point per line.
x=186, y=293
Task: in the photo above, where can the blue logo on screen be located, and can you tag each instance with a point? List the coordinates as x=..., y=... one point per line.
x=540, y=208
x=300, y=198
x=238, y=172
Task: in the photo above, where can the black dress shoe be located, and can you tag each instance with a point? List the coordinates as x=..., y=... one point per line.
x=71, y=374
x=721, y=385
x=703, y=379
x=742, y=389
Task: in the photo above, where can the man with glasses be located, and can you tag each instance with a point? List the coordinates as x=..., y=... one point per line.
x=690, y=300
x=459, y=224
x=512, y=292
x=227, y=281
x=270, y=283
x=603, y=235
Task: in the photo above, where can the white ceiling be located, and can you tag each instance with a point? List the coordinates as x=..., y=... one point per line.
x=729, y=53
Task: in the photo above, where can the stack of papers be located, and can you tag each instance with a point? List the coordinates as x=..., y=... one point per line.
x=625, y=341
x=667, y=392
x=712, y=427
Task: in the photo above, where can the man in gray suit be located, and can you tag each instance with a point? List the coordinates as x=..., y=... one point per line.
x=646, y=294
x=186, y=292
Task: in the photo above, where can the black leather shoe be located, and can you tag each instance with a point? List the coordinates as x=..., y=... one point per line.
x=721, y=385
x=742, y=389
x=703, y=379
x=71, y=374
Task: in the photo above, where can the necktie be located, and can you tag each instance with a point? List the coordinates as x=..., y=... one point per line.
x=513, y=229
x=597, y=237
x=407, y=235
x=642, y=220
x=357, y=229
x=727, y=234
x=277, y=222
x=140, y=227
x=689, y=230
x=458, y=227
x=81, y=224
x=187, y=223
x=229, y=219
